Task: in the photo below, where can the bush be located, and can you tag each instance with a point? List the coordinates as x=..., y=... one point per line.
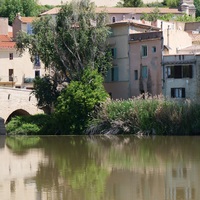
x=32, y=125
x=77, y=101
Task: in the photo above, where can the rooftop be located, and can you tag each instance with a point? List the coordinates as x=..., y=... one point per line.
x=124, y=10
x=6, y=42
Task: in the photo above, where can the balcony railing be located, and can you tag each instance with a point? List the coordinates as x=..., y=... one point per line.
x=145, y=36
x=28, y=80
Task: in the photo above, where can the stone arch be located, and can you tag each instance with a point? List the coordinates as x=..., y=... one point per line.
x=19, y=112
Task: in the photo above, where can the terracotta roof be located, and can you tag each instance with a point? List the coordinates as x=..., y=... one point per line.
x=53, y=11
x=7, y=45
x=5, y=38
x=124, y=10
x=6, y=42
x=27, y=19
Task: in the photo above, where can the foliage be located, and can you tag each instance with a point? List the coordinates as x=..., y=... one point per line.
x=9, y=8
x=31, y=125
x=197, y=6
x=46, y=92
x=20, y=144
x=149, y=116
x=171, y=3
x=153, y=16
x=78, y=100
x=78, y=38
x=130, y=3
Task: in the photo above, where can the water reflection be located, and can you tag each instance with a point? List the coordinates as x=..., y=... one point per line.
x=100, y=168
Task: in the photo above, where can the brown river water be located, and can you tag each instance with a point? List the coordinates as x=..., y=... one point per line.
x=100, y=168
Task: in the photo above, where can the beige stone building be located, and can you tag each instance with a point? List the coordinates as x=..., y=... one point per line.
x=136, y=50
x=17, y=70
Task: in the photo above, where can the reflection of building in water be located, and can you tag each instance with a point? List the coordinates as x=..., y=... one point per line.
x=135, y=185
x=15, y=173
x=182, y=182
x=2, y=141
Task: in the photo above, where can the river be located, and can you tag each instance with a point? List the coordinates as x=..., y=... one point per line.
x=100, y=168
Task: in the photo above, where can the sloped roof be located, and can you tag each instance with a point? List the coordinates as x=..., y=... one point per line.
x=7, y=45
x=27, y=19
x=53, y=11
x=123, y=10
x=5, y=38
x=6, y=42
x=133, y=10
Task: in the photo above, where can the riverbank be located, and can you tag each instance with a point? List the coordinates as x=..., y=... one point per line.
x=134, y=116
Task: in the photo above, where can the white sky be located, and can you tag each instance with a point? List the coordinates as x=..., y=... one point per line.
x=97, y=2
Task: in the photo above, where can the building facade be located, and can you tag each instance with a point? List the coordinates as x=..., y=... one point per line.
x=136, y=50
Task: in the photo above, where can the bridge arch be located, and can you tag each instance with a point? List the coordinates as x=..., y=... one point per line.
x=18, y=112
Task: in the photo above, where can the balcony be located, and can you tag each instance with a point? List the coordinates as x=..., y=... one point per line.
x=28, y=80
x=8, y=81
x=145, y=36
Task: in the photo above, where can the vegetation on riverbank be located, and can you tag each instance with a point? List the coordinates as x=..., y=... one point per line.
x=134, y=116
x=149, y=116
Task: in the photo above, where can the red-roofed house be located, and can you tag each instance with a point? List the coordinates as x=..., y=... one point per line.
x=16, y=70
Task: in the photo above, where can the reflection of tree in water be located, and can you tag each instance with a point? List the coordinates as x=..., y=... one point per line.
x=71, y=169
x=82, y=167
x=21, y=144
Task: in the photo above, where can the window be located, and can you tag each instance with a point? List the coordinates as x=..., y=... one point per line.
x=37, y=73
x=177, y=92
x=144, y=51
x=114, y=52
x=136, y=74
x=153, y=49
x=29, y=29
x=144, y=72
x=113, y=19
x=11, y=56
x=37, y=61
x=11, y=74
x=179, y=71
x=114, y=74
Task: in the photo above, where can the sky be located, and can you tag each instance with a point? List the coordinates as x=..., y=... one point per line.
x=108, y=3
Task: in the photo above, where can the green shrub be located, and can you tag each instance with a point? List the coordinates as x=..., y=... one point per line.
x=78, y=100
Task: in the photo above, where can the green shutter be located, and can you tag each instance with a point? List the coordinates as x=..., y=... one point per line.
x=116, y=74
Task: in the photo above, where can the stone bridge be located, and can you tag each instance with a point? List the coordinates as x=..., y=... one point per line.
x=15, y=102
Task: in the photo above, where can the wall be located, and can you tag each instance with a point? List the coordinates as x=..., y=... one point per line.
x=153, y=63
x=191, y=85
x=22, y=66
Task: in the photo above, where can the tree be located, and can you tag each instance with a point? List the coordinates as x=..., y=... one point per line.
x=46, y=92
x=9, y=8
x=77, y=39
x=130, y=3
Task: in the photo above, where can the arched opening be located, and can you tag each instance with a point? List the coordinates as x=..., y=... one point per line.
x=19, y=112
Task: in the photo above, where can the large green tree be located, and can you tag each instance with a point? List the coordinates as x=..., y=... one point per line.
x=75, y=40
x=78, y=38
x=9, y=8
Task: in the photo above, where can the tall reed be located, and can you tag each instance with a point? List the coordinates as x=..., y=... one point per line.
x=153, y=115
